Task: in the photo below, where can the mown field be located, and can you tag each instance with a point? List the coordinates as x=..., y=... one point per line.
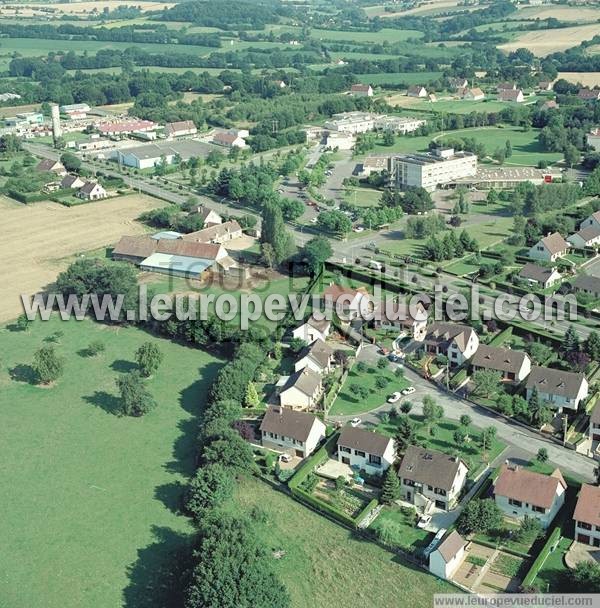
x=327, y=566
x=405, y=77
x=89, y=513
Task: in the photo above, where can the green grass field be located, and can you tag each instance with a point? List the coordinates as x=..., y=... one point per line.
x=383, y=35
x=406, y=77
x=90, y=509
x=327, y=566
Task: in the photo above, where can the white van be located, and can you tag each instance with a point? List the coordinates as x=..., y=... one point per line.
x=375, y=265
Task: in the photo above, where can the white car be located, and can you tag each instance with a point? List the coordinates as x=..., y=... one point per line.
x=424, y=521
x=359, y=229
x=409, y=390
x=285, y=458
x=313, y=220
x=355, y=422
x=394, y=397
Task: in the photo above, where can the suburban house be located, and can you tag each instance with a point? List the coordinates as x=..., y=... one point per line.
x=302, y=390
x=361, y=90
x=513, y=365
x=512, y=95
x=416, y=91
x=430, y=478
x=346, y=301
x=519, y=492
x=391, y=315
x=593, y=220
x=317, y=356
x=587, y=284
x=312, y=330
x=550, y=248
x=587, y=516
x=51, y=166
x=292, y=432
x=229, y=140
x=180, y=128
x=92, y=191
x=593, y=139
x=589, y=94
x=539, y=275
x=551, y=104
x=71, y=181
x=445, y=559
x=456, y=342
x=559, y=388
x=209, y=216
x=585, y=237
x=474, y=94
x=367, y=450
x=219, y=233
x=506, y=86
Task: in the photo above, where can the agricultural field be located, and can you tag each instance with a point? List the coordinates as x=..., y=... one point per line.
x=384, y=35
x=337, y=564
x=588, y=79
x=44, y=236
x=561, y=12
x=541, y=43
x=92, y=518
x=403, y=78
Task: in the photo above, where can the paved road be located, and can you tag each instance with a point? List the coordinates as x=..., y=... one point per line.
x=523, y=444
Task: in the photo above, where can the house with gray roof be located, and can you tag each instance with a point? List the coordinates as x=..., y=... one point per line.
x=587, y=284
x=365, y=450
x=585, y=237
x=456, y=342
x=302, y=390
x=559, y=388
x=431, y=479
x=291, y=432
x=513, y=365
x=550, y=248
x=541, y=276
x=318, y=356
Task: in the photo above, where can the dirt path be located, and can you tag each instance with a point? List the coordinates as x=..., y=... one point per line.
x=40, y=240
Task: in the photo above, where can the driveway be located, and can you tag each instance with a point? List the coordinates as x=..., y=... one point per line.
x=523, y=444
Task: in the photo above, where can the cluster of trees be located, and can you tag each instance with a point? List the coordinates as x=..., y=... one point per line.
x=450, y=246
x=376, y=217
x=425, y=226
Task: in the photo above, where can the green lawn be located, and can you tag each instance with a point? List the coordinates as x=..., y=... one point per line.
x=552, y=574
x=383, y=35
x=399, y=78
x=325, y=565
x=500, y=538
x=89, y=514
x=410, y=538
x=443, y=441
x=348, y=403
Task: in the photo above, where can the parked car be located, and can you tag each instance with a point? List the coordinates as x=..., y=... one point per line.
x=424, y=521
x=355, y=422
x=394, y=358
x=359, y=229
x=409, y=390
x=313, y=220
x=285, y=458
x=394, y=397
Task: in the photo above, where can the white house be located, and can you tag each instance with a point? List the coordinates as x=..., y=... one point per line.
x=550, y=248
x=362, y=90
x=312, y=330
x=295, y=433
x=431, y=479
x=341, y=141
x=51, y=166
x=416, y=91
x=585, y=237
x=511, y=95
x=513, y=365
x=366, y=450
x=71, y=181
x=92, y=191
x=456, y=342
x=587, y=284
x=539, y=275
x=180, y=128
x=558, y=388
x=474, y=94
x=301, y=390
x=446, y=558
x=318, y=356
x=217, y=233
x=209, y=216
x=348, y=303
x=519, y=492
x=587, y=516
x=229, y=140
x=411, y=320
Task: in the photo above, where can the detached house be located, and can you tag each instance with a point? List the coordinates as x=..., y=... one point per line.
x=295, y=433
x=513, y=365
x=559, y=388
x=180, y=128
x=474, y=94
x=519, y=492
x=229, y=140
x=586, y=94
x=588, y=285
x=416, y=91
x=456, y=342
x=591, y=221
x=209, y=216
x=550, y=248
x=312, y=330
x=362, y=449
x=71, y=181
x=445, y=559
x=398, y=315
x=539, y=275
x=218, y=233
x=429, y=478
x=511, y=95
x=587, y=516
x=594, y=429
x=318, y=356
x=301, y=390
x=585, y=237
x=92, y=191
x=51, y=166
x=347, y=302
x=361, y=90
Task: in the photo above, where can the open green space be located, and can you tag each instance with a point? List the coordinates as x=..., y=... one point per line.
x=91, y=518
x=399, y=78
x=401, y=526
x=550, y=578
x=384, y=35
x=323, y=562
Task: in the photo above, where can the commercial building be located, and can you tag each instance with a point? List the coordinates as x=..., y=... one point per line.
x=351, y=122
x=398, y=124
x=340, y=141
x=75, y=110
x=150, y=155
x=433, y=169
x=180, y=128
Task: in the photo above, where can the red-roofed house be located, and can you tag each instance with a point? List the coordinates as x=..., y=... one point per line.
x=587, y=516
x=519, y=492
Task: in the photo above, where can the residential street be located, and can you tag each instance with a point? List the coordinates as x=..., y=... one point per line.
x=523, y=444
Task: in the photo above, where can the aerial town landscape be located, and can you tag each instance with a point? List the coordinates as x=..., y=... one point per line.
x=301, y=302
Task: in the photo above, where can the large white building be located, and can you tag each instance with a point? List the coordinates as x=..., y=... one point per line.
x=433, y=169
x=351, y=122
